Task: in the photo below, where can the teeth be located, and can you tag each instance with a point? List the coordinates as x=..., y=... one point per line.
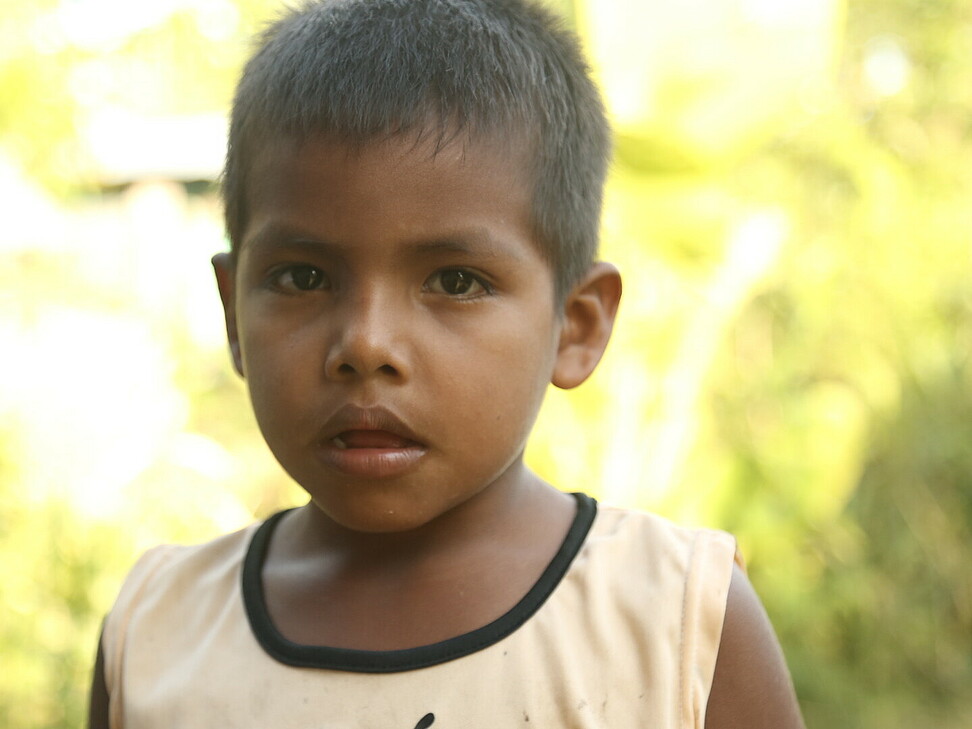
x=339, y=442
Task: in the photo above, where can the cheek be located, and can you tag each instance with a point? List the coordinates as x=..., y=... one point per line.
x=504, y=386
x=279, y=377
x=275, y=345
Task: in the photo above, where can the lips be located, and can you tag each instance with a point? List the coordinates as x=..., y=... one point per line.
x=370, y=443
x=375, y=439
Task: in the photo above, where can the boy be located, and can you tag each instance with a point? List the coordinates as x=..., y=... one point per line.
x=412, y=193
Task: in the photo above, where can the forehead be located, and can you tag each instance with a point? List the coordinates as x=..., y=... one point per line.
x=401, y=186
x=436, y=153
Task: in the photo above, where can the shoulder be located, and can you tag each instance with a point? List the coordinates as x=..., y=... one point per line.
x=168, y=590
x=178, y=562
x=701, y=592
x=679, y=554
x=751, y=687
x=683, y=573
x=732, y=667
x=169, y=572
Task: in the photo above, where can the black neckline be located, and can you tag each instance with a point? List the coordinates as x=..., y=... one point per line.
x=361, y=661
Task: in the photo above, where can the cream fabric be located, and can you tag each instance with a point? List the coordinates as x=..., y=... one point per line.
x=628, y=638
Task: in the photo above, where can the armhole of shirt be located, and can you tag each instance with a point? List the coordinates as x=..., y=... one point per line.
x=711, y=561
x=116, y=625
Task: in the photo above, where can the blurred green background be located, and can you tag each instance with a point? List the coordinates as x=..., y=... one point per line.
x=791, y=207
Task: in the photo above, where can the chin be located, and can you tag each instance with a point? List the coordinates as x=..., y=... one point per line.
x=386, y=523
x=376, y=516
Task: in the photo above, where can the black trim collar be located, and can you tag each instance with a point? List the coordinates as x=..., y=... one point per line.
x=345, y=659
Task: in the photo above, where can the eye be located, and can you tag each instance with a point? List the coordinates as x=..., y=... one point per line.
x=300, y=277
x=457, y=282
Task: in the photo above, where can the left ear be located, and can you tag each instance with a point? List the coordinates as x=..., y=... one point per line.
x=589, y=312
x=225, y=268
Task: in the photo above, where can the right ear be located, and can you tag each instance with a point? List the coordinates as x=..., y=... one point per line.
x=225, y=267
x=589, y=312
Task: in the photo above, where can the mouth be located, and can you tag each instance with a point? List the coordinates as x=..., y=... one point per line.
x=372, y=440
x=369, y=443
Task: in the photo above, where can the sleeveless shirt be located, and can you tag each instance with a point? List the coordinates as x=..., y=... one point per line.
x=621, y=630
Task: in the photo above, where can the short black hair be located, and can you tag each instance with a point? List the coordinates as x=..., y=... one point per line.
x=364, y=70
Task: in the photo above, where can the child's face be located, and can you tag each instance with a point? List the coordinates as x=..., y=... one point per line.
x=395, y=323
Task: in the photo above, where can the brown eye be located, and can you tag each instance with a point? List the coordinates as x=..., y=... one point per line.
x=306, y=277
x=456, y=282
x=301, y=278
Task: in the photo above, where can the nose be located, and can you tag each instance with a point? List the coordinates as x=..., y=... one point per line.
x=368, y=339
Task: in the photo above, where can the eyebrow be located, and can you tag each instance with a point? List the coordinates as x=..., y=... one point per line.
x=278, y=235
x=475, y=243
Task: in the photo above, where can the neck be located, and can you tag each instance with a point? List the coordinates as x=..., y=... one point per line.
x=499, y=516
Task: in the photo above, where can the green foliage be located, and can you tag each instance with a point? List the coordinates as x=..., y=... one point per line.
x=63, y=61
x=59, y=573
x=841, y=404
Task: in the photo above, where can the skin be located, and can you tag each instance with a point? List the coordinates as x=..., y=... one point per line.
x=397, y=328
x=397, y=278
x=751, y=687
x=383, y=232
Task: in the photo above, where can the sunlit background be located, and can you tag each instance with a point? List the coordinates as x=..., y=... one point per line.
x=791, y=207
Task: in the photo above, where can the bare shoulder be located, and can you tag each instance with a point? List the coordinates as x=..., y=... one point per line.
x=751, y=688
x=98, y=706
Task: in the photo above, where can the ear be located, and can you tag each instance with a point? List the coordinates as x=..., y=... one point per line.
x=225, y=267
x=589, y=313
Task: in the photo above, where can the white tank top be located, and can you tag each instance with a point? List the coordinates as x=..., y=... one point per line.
x=621, y=630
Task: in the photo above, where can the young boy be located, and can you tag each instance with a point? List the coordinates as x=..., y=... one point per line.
x=413, y=194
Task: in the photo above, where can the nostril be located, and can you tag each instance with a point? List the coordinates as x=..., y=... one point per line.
x=347, y=369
